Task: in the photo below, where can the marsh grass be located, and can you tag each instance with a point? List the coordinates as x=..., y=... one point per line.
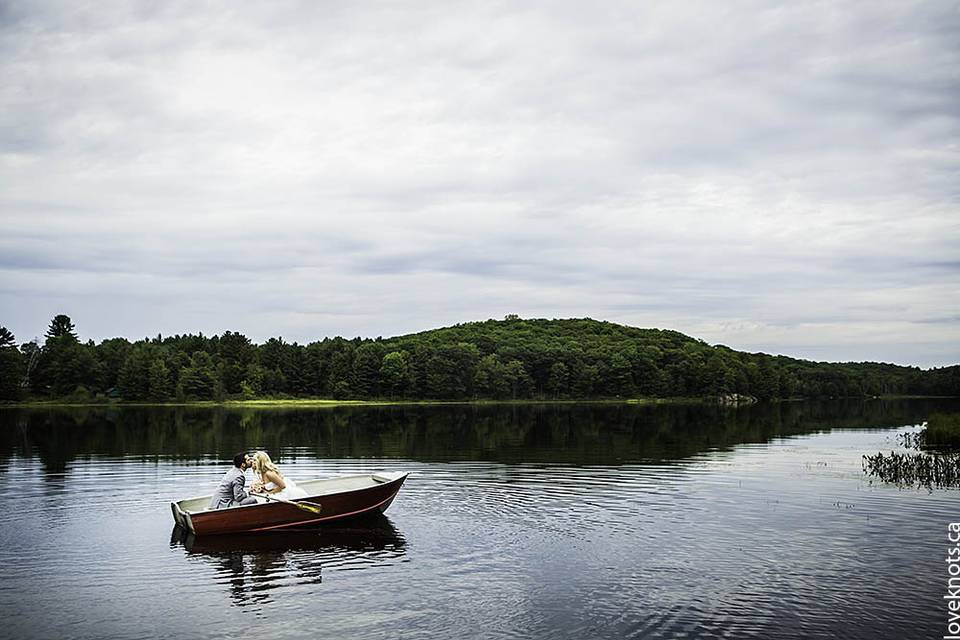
x=942, y=432
x=935, y=464
x=922, y=469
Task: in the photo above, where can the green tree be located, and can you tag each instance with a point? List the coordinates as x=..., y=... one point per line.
x=235, y=352
x=520, y=382
x=64, y=363
x=316, y=364
x=274, y=382
x=252, y=384
x=110, y=355
x=719, y=376
x=584, y=380
x=6, y=338
x=285, y=366
x=11, y=366
x=161, y=384
x=420, y=355
x=766, y=380
x=647, y=375
x=198, y=381
x=341, y=366
x=366, y=370
x=61, y=326
x=395, y=373
x=450, y=371
x=271, y=353
x=294, y=370
x=619, y=376
x=341, y=390
x=133, y=382
x=559, y=379
x=490, y=379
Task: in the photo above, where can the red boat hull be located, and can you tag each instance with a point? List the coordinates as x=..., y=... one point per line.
x=278, y=516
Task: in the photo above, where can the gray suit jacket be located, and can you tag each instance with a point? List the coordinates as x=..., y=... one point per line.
x=230, y=491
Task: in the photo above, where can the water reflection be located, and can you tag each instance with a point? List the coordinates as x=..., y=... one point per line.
x=258, y=567
x=585, y=434
x=594, y=521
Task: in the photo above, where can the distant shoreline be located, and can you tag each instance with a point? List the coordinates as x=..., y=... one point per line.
x=319, y=403
x=328, y=403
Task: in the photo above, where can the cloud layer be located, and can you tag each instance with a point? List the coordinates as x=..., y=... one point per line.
x=772, y=176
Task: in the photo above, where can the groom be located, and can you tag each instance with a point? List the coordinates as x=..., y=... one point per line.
x=230, y=492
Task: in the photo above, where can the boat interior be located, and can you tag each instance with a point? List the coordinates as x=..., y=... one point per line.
x=314, y=488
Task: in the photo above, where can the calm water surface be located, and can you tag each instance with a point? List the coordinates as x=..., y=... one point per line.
x=585, y=521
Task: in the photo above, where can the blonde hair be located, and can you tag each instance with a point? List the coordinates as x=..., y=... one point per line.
x=262, y=463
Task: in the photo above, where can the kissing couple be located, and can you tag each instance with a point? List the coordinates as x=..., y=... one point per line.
x=231, y=493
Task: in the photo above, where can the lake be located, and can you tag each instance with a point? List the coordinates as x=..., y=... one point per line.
x=517, y=521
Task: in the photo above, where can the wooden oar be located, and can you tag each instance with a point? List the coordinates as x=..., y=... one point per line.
x=312, y=507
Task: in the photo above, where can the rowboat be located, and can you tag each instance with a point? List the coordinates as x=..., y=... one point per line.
x=327, y=500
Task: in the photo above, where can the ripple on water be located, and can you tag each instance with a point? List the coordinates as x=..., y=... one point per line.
x=769, y=540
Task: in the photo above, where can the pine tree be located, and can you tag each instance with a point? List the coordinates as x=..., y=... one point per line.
x=61, y=326
x=11, y=366
x=161, y=385
x=198, y=381
x=6, y=338
x=366, y=370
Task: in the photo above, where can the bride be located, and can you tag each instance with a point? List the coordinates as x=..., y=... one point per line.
x=272, y=481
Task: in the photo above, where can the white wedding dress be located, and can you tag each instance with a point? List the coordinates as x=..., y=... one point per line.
x=290, y=492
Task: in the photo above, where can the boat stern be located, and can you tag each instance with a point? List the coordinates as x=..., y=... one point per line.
x=181, y=517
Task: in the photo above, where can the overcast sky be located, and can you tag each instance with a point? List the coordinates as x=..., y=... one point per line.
x=778, y=177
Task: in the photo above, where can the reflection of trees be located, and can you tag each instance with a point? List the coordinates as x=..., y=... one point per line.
x=587, y=433
x=255, y=566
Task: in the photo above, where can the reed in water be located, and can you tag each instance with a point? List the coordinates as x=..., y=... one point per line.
x=922, y=469
x=936, y=464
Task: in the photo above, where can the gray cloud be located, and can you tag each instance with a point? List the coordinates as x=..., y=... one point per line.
x=771, y=176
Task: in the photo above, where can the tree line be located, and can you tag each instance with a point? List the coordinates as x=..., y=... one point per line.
x=512, y=358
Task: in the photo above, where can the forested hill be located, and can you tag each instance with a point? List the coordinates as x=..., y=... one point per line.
x=590, y=358
x=512, y=358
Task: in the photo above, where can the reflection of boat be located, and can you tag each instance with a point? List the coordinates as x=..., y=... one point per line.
x=257, y=566
x=338, y=498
